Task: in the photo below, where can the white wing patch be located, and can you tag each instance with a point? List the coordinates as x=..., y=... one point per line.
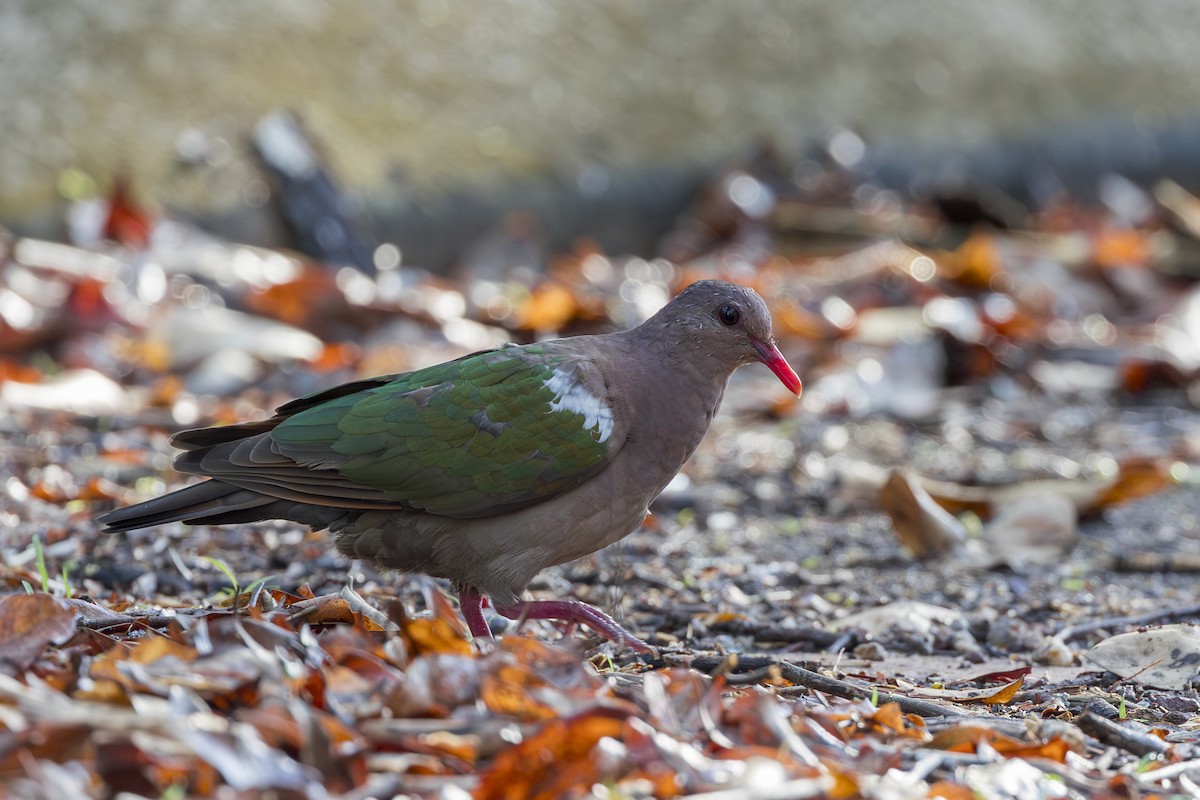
x=571, y=395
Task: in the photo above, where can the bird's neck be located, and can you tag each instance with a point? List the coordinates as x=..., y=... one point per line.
x=686, y=374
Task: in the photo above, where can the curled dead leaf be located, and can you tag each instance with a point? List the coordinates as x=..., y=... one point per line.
x=989, y=695
x=925, y=528
x=554, y=761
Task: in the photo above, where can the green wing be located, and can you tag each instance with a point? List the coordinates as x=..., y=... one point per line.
x=486, y=434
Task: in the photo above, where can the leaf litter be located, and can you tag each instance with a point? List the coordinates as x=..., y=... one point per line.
x=959, y=566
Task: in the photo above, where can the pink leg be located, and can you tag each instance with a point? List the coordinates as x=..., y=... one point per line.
x=470, y=605
x=574, y=611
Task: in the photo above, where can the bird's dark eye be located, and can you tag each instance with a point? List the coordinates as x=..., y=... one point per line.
x=729, y=315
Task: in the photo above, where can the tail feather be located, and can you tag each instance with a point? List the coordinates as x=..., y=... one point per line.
x=197, y=504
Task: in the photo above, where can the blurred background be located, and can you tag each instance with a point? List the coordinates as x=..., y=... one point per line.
x=602, y=118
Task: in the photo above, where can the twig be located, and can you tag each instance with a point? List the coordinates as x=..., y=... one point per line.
x=820, y=637
x=711, y=664
x=150, y=620
x=1072, y=631
x=762, y=675
x=840, y=688
x=1120, y=736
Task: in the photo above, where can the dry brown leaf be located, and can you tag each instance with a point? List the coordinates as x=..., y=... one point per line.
x=295, y=302
x=554, y=761
x=1137, y=478
x=548, y=308
x=976, y=262
x=965, y=737
x=1001, y=675
x=28, y=624
x=436, y=636
x=1054, y=749
x=990, y=695
x=923, y=526
x=106, y=668
x=328, y=609
x=1120, y=248
x=508, y=690
x=889, y=716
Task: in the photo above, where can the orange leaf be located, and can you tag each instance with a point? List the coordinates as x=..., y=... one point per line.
x=300, y=300
x=549, y=307
x=990, y=695
x=1055, y=749
x=1137, y=478
x=965, y=738
x=976, y=262
x=889, y=716
x=554, y=761
x=436, y=636
x=1120, y=248
x=12, y=371
x=509, y=691
x=335, y=356
x=99, y=489
x=127, y=223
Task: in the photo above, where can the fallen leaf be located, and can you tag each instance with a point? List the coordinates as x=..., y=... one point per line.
x=1004, y=675
x=976, y=262
x=1038, y=528
x=549, y=307
x=554, y=761
x=1120, y=248
x=28, y=624
x=127, y=222
x=909, y=616
x=108, y=667
x=1137, y=478
x=1166, y=657
x=989, y=695
x=923, y=526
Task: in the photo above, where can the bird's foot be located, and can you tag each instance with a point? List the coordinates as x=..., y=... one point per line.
x=470, y=605
x=574, y=611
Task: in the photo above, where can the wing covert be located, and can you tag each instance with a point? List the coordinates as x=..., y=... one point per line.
x=488, y=433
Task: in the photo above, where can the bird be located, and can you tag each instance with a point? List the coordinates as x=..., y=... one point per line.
x=489, y=468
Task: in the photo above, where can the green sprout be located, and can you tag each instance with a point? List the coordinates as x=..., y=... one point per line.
x=41, y=563
x=235, y=589
x=65, y=576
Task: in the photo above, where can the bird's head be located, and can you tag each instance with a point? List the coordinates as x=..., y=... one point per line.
x=730, y=323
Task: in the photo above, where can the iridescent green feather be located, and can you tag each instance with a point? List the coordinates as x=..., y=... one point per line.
x=471, y=437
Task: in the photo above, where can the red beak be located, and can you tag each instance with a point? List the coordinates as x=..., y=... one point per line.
x=769, y=354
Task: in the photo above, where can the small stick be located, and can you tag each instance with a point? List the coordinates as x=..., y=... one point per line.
x=150, y=620
x=840, y=688
x=1120, y=736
